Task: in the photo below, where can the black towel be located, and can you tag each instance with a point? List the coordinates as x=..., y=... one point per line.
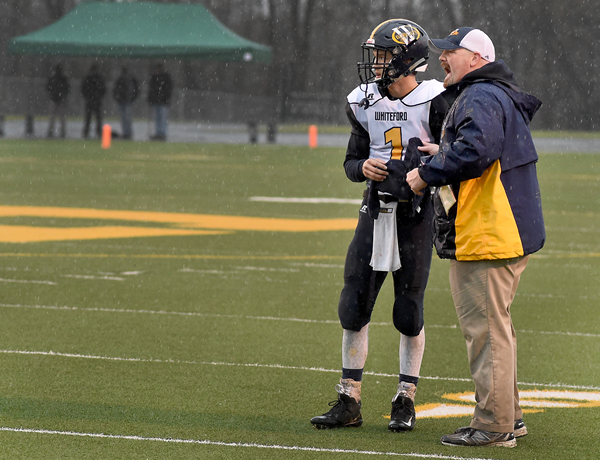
x=395, y=183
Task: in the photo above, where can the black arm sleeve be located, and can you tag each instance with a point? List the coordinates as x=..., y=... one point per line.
x=358, y=149
x=437, y=113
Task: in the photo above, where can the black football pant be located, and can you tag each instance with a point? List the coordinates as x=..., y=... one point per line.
x=362, y=284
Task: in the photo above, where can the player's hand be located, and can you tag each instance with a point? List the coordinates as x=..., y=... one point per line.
x=375, y=169
x=413, y=179
x=429, y=148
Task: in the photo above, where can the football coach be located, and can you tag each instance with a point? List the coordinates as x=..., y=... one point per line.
x=488, y=220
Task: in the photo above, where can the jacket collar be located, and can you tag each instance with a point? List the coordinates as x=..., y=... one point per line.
x=498, y=74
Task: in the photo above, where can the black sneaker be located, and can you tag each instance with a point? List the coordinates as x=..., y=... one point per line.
x=345, y=412
x=473, y=437
x=403, y=415
x=520, y=429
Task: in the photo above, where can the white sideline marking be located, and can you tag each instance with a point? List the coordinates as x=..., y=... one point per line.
x=92, y=277
x=304, y=200
x=312, y=264
x=4, y=280
x=234, y=444
x=247, y=268
x=265, y=366
x=175, y=313
x=266, y=318
x=578, y=334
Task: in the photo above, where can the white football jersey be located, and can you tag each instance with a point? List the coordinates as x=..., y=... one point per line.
x=391, y=123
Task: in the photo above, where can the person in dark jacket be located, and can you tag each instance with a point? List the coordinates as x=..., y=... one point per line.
x=126, y=91
x=159, y=97
x=93, y=89
x=58, y=88
x=488, y=221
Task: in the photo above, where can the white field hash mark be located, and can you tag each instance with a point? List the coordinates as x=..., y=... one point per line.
x=4, y=280
x=93, y=277
x=235, y=444
x=268, y=199
x=264, y=366
x=259, y=318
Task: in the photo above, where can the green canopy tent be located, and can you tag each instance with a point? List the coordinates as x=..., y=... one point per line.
x=140, y=30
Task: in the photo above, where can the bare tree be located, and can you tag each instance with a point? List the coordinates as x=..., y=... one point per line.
x=57, y=8
x=550, y=44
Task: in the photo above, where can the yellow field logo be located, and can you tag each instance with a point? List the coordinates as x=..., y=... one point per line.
x=530, y=400
x=169, y=224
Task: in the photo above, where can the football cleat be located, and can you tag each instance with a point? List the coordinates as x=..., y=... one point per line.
x=520, y=428
x=403, y=417
x=345, y=411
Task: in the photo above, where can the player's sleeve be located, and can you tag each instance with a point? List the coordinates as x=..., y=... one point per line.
x=358, y=148
x=437, y=112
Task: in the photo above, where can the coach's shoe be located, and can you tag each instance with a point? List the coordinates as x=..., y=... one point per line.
x=473, y=437
x=403, y=416
x=520, y=429
x=345, y=411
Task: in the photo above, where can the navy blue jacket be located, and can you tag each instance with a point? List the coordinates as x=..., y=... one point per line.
x=488, y=158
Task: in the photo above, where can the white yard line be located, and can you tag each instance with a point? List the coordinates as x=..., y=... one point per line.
x=262, y=318
x=304, y=200
x=4, y=280
x=92, y=277
x=236, y=444
x=259, y=365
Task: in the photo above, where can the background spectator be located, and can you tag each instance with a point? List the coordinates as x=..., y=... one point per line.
x=159, y=96
x=126, y=91
x=93, y=89
x=58, y=87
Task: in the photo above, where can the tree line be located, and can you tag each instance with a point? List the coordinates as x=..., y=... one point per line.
x=549, y=44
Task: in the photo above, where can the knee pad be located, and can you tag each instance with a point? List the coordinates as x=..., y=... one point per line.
x=408, y=330
x=352, y=320
x=408, y=324
x=354, y=308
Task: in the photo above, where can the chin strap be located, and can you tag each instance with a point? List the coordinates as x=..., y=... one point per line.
x=365, y=103
x=415, y=66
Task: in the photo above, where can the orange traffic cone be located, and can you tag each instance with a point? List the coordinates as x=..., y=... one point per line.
x=106, y=136
x=313, y=134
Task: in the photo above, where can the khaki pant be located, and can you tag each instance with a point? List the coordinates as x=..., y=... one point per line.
x=483, y=292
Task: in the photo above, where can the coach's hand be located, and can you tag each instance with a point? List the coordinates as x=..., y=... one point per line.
x=429, y=149
x=413, y=179
x=375, y=169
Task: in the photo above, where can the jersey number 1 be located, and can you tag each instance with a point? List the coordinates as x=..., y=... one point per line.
x=394, y=136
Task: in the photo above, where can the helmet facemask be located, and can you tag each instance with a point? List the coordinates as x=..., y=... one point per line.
x=405, y=54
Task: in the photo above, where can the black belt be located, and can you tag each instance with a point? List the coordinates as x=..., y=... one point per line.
x=386, y=198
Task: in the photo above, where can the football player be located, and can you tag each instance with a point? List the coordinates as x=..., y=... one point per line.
x=394, y=232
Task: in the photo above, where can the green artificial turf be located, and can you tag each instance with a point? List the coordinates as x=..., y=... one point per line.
x=225, y=345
